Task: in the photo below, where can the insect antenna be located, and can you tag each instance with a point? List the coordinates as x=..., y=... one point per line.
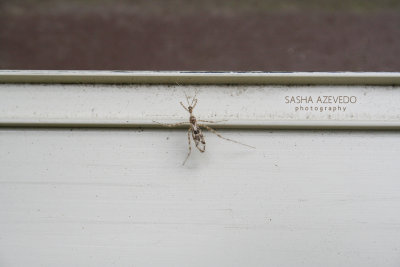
x=187, y=98
x=194, y=100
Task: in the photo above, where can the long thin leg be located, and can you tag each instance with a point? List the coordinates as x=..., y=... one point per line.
x=220, y=136
x=171, y=125
x=190, y=147
x=212, y=121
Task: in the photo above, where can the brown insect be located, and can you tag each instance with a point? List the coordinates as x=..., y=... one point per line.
x=195, y=131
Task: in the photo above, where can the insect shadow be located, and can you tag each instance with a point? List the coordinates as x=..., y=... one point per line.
x=195, y=131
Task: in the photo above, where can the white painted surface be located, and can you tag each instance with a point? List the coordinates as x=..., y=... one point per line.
x=245, y=106
x=122, y=198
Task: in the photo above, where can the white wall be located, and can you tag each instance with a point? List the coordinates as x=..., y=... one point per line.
x=121, y=197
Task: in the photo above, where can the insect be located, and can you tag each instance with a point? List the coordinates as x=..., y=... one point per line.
x=195, y=131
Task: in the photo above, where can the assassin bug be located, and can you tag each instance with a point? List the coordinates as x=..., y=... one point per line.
x=195, y=131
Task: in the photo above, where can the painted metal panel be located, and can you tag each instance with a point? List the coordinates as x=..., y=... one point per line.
x=262, y=106
x=74, y=196
x=104, y=197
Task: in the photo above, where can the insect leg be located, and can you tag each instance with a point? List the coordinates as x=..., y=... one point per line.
x=212, y=121
x=171, y=125
x=220, y=136
x=190, y=147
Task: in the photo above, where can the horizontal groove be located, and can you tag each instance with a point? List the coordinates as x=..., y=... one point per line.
x=256, y=125
x=185, y=77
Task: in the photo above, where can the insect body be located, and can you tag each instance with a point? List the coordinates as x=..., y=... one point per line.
x=197, y=134
x=195, y=131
